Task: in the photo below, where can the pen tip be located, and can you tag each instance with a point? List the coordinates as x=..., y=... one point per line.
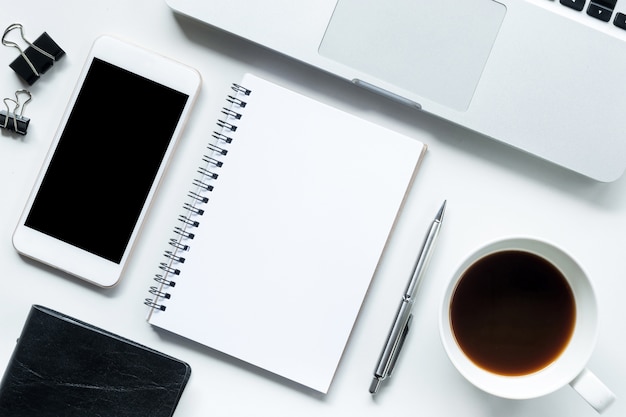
x=442, y=210
x=375, y=385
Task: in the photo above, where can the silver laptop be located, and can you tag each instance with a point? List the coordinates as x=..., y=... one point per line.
x=545, y=76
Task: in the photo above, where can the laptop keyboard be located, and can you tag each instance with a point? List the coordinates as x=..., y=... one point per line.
x=599, y=9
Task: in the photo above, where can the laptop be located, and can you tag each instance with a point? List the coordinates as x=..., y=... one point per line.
x=544, y=76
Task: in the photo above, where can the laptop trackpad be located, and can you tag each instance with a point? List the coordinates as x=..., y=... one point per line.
x=434, y=48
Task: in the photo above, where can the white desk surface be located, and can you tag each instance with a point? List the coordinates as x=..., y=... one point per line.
x=492, y=191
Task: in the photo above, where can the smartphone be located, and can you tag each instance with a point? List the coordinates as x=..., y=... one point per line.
x=116, y=136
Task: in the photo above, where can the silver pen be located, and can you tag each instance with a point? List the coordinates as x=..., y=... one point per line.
x=401, y=324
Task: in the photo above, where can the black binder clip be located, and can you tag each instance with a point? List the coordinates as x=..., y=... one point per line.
x=10, y=119
x=37, y=58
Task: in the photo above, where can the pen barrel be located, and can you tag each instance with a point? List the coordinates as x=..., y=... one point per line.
x=397, y=334
x=422, y=260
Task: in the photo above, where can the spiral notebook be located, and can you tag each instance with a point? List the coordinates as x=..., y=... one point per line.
x=282, y=231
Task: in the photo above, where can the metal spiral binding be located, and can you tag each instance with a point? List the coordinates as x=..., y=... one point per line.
x=240, y=89
x=171, y=255
x=203, y=184
x=237, y=101
x=161, y=280
x=174, y=257
x=217, y=149
x=188, y=221
x=157, y=291
x=154, y=305
x=231, y=113
x=222, y=137
x=178, y=245
x=225, y=125
x=198, y=197
x=212, y=161
x=182, y=232
x=193, y=209
x=169, y=269
x=207, y=173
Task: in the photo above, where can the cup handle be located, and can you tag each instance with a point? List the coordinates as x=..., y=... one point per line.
x=588, y=386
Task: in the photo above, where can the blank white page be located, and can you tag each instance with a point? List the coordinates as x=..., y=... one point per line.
x=291, y=236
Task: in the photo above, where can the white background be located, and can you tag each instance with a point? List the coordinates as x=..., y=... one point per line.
x=492, y=191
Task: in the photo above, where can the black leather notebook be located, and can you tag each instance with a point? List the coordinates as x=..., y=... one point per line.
x=65, y=367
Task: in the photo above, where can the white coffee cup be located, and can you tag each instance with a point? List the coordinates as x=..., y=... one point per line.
x=569, y=367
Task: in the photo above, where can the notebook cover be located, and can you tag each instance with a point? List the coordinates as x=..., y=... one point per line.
x=65, y=367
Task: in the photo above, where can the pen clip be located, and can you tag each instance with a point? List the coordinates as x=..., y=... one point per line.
x=398, y=348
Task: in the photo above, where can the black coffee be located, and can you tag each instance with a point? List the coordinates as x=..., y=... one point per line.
x=513, y=313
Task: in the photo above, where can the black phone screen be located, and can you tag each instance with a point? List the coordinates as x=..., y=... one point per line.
x=106, y=160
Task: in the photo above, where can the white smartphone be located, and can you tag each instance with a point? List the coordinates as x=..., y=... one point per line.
x=117, y=134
